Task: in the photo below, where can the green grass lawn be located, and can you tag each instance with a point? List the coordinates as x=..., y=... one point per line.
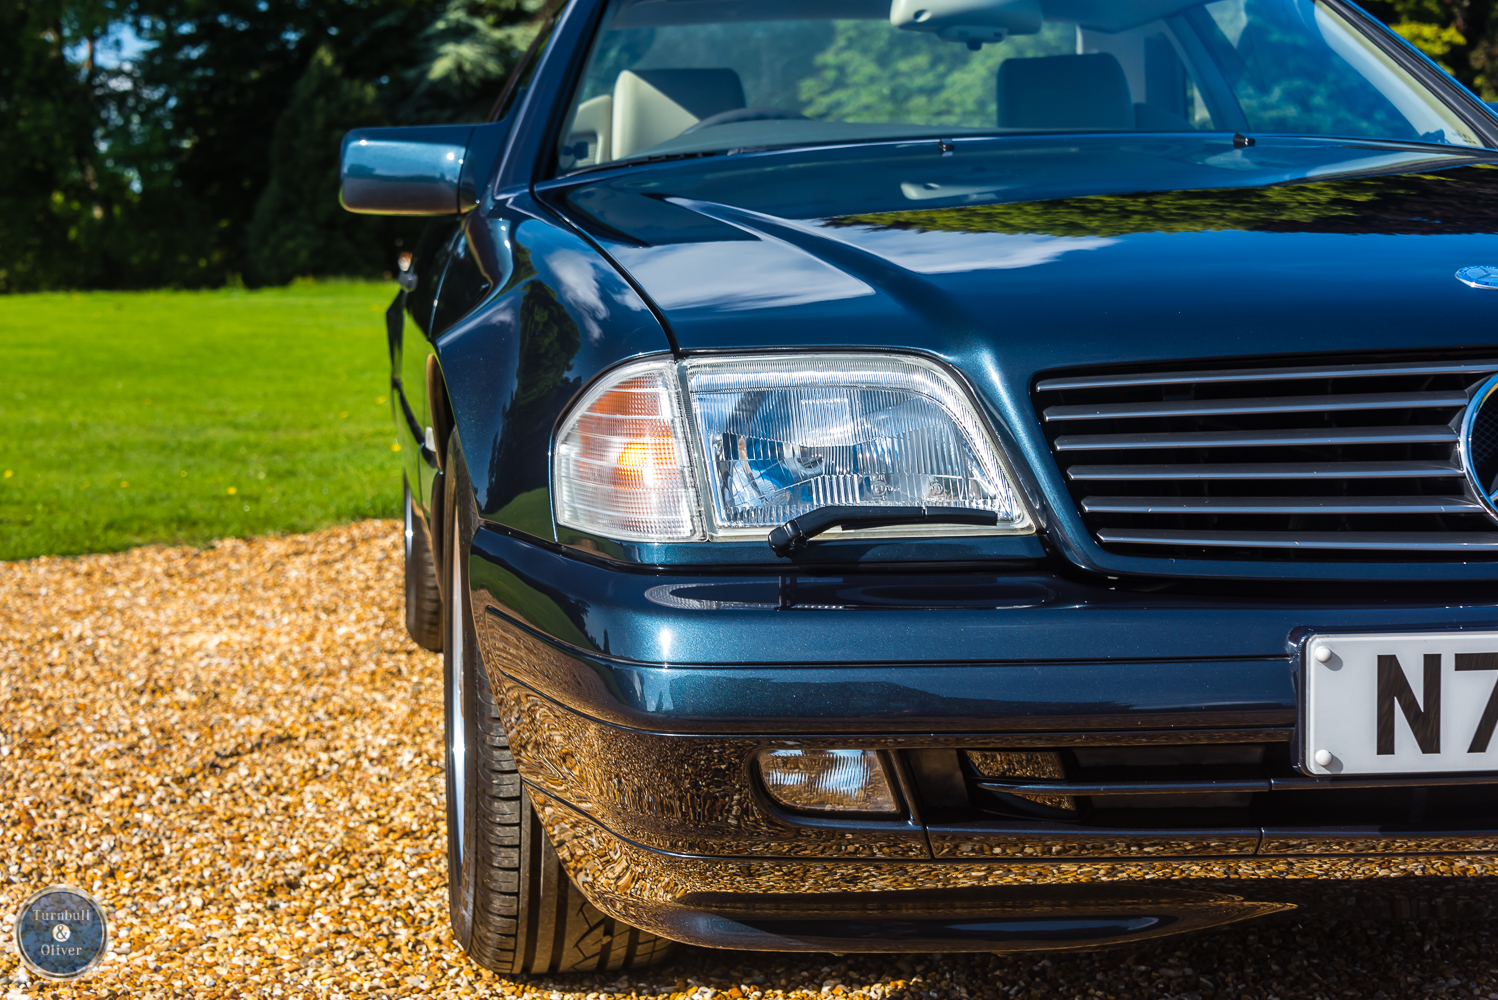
x=187, y=416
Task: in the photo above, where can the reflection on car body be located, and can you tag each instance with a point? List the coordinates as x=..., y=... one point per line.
x=970, y=475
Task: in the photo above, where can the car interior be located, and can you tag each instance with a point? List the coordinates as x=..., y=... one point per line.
x=1115, y=81
x=1089, y=91
x=1046, y=65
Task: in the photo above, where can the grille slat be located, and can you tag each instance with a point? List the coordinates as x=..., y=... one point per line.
x=1283, y=505
x=1266, y=375
x=1390, y=541
x=1313, y=462
x=1299, y=436
x=1268, y=470
x=1230, y=407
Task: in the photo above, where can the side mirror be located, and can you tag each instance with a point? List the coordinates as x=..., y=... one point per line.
x=420, y=170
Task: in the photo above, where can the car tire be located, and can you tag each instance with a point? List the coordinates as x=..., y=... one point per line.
x=512, y=906
x=423, y=596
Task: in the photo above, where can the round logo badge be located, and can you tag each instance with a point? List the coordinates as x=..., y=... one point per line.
x=62, y=933
x=1479, y=276
x=1479, y=444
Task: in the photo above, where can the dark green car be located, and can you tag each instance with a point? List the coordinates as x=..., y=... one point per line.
x=952, y=474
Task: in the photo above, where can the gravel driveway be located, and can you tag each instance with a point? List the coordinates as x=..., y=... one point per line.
x=239, y=751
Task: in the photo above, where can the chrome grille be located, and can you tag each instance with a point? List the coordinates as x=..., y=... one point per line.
x=1317, y=462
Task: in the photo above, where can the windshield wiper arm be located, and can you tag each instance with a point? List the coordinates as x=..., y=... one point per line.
x=792, y=536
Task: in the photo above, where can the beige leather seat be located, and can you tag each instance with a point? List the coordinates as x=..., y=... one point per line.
x=653, y=105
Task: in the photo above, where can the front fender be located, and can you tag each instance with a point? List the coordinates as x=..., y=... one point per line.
x=557, y=314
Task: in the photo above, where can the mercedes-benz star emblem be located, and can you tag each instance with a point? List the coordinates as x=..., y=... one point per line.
x=1478, y=444
x=1479, y=276
x=62, y=932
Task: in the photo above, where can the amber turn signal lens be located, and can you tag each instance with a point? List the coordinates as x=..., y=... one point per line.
x=622, y=468
x=828, y=781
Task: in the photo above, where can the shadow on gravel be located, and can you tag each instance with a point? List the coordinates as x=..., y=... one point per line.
x=1282, y=956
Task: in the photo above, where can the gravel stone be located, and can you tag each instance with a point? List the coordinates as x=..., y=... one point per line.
x=238, y=751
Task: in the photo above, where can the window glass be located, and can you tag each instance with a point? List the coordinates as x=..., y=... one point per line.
x=669, y=77
x=524, y=72
x=1297, y=67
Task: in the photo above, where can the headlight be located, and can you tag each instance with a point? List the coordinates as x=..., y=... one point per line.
x=771, y=439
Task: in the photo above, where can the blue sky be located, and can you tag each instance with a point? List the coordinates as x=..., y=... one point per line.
x=120, y=46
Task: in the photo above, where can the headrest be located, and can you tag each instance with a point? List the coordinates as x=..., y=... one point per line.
x=701, y=92
x=1065, y=92
x=653, y=105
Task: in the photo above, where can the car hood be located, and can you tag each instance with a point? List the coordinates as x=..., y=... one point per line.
x=1008, y=257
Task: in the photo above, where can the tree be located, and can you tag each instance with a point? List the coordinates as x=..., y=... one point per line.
x=58, y=198
x=1402, y=203
x=298, y=227
x=230, y=179
x=212, y=153
x=465, y=54
x=214, y=85
x=871, y=74
x=1461, y=35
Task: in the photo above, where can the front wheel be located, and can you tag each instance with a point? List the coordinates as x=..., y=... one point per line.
x=512, y=906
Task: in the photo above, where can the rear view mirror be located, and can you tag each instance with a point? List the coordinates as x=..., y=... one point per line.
x=971, y=21
x=422, y=170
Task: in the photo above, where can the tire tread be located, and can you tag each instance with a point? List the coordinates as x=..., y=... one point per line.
x=528, y=917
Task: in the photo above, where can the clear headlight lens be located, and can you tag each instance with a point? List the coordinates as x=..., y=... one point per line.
x=785, y=436
x=774, y=438
x=828, y=781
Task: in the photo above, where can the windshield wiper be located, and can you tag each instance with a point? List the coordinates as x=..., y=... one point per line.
x=792, y=536
x=636, y=161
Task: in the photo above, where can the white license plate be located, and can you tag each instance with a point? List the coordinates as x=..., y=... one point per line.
x=1401, y=703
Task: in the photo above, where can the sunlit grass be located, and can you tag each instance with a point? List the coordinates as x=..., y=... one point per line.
x=187, y=416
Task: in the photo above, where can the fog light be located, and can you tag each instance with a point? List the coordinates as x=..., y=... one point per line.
x=828, y=781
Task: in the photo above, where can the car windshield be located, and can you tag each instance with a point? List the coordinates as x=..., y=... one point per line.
x=671, y=77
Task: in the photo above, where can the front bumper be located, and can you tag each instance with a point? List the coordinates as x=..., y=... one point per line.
x=636, y=701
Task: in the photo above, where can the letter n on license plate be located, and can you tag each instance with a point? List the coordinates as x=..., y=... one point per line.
x=1400, y=703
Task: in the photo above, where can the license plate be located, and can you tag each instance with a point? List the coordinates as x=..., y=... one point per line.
x=1400, y=703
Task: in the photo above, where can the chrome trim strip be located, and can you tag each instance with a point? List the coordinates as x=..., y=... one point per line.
x=1286, y=404
x=1295, y=784
x=1132, y=737
x=1303, y=784
x=1122, y=787
x=1268, y=470
x=1265, y=375
x=1281, y=505
x=1294, y=436
x=1387, y=541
